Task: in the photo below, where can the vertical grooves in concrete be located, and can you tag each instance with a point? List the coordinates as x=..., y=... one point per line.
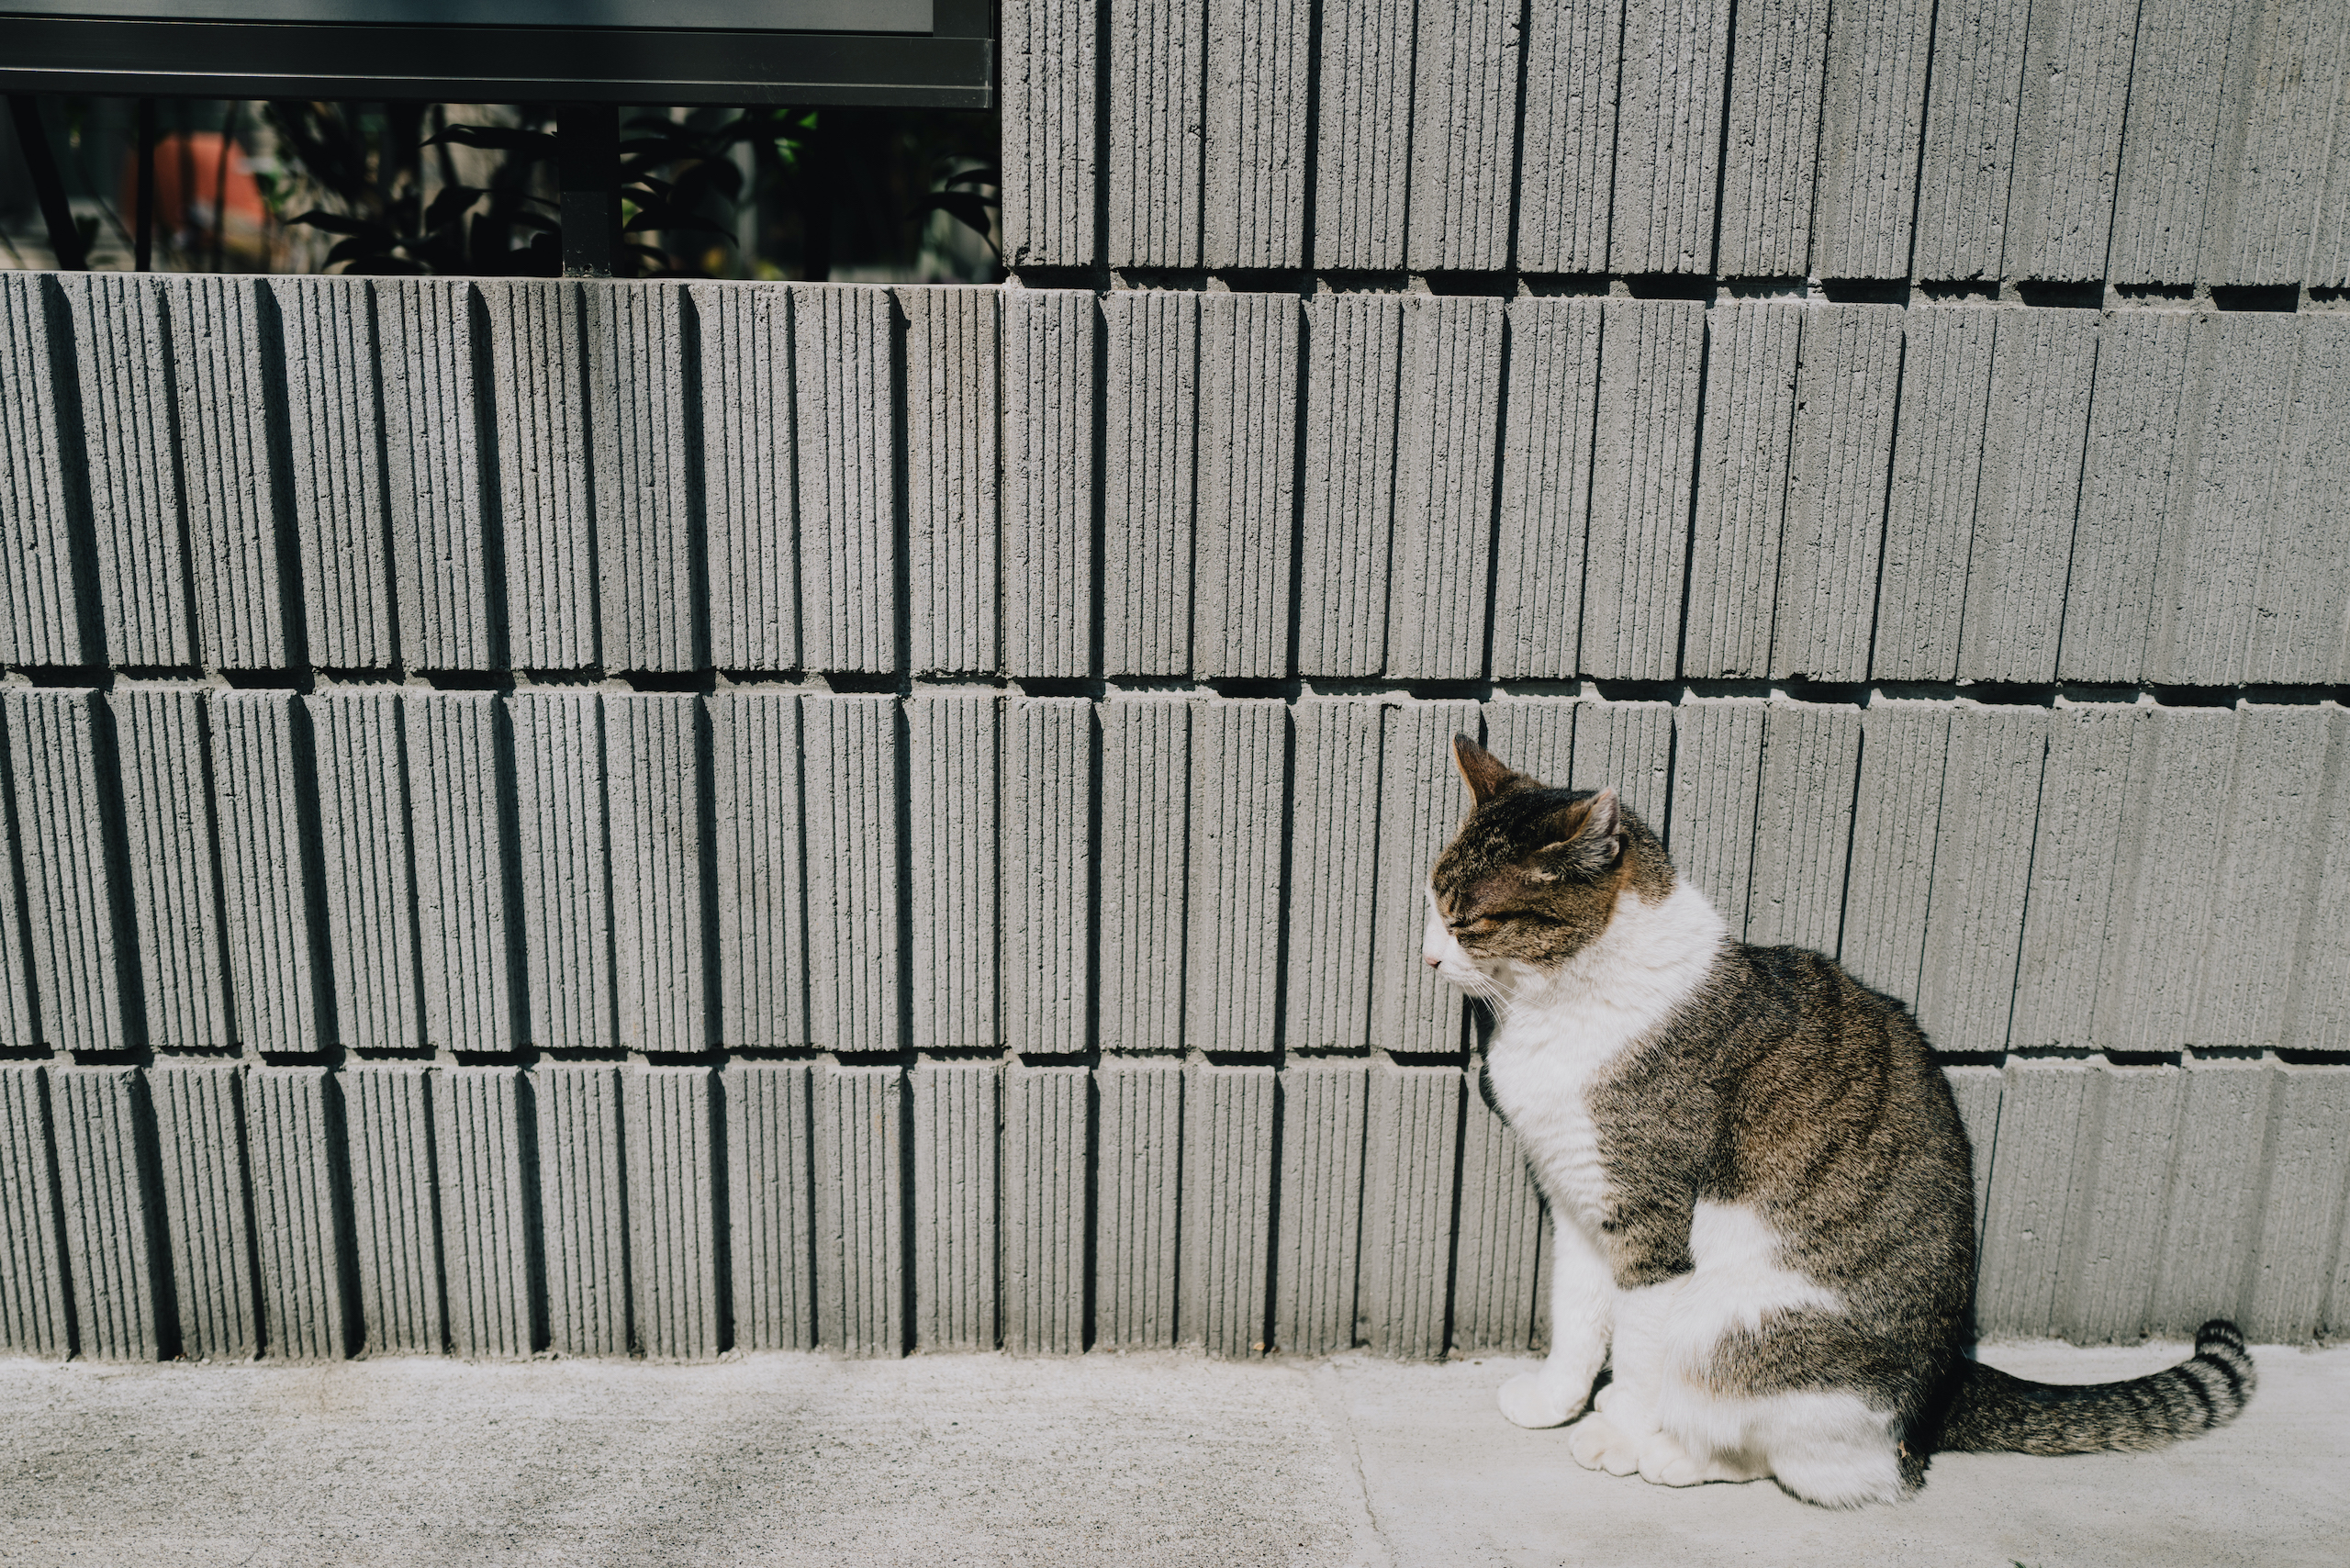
x=454, y=782
x=1138, y=1187
x=1232, y=928
x=2070, y=908
x=2114, y=1242
x=40, y=619
x=174, y=897
x=958, y=1134
x=433, y=469
x=389, y=1114
x=109, y=1231
x=72, y=938
x=1463, y=109
x=1778, y=59
x=1629, y=745
x=1651, y=367
x=2133, y=484
x=201, y=1147
x=1354, y=348
x=2179, y=782
x=2300, y=632
x=1243, y=565
x=653, y=763
x=2025, y=1254
x=769, y=1197
x=1420, y=798
x=952, y=817
x=1324, y=1108
x=137, y=520
x=1228, y=1207
x=1669, y=136
x=2302, y=1213
x=1148, y=468
x=673, y=1216
x=762, y=965
x=1500, y=1233
x=224, y=466
x=1574, y=62
x=297, y=1236
x=860, y=1210
x=273, y=979
x=1970, y=139
x=538, y=357
x=1045, y=911
x=2170, y=145
x=1717, y=761
x=1408, y=1174
x=2274, y=143
x=1938, y=463
x=2214, y=1220
x=1983, y=856
x=1046, y=1209
x=1903, y=745
x=1047, y=545
x=363, y=821
x=1158, y=134
x=843, y=391
x=2078, y=57
x=1334, y=851
x=1144, y=817
x=748, y=500
x=485, y=1244
x=637, y=365
x=1362, y=145
x=335, y=428
x=853, y=921
x=1870, y=128
x=1546, y=487
x=1451, y=396
x=952, y=398
x=1803, y=825
x=1049, y=75
x=2321, y=1014
x=34, y=1291
x=566, y=895
x=584, y=1203
x=1832, y=544
x=2275, y=828
x=1751, y=365
x=1256, y=131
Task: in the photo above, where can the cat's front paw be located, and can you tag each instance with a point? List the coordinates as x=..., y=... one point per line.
x=1598, y=1444
x=1533, y=1399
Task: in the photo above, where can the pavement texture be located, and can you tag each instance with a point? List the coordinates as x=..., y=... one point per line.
x=1159, y=1460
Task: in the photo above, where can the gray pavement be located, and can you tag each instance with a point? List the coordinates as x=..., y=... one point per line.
x=1158, y=1459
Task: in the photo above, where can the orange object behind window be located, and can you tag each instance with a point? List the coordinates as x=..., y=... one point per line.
x=187, y=187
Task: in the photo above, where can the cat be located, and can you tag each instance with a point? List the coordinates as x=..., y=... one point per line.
x=1762, y=1192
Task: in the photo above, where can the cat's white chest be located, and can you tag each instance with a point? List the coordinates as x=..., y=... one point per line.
x=1542, y=1076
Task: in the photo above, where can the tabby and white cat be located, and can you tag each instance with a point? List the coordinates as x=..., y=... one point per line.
x=1761, y=1188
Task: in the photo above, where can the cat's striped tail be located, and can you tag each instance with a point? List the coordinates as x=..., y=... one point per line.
x=1994, y=1413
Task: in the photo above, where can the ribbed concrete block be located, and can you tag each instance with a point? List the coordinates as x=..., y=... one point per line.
x=743, y=334
x=2178, y=795
x=387, y=1110
x=652, y=745
x=1420, y=803
x=1803, y=824
x=458, y=781
x=1145, y=813
x=584, y=1201
x=1969, y=145
x=2076, y=89
x=1771, y=156
x=1047, y=849
x=2029, y=1232
x=114, y=1240
x=2284, y=68
x=293, y=1131
x=1717, y=769
x=952, y=401
x=2078, y=872
x=1627, y=747
x=33, y=1287
x=221, y=403
x=1150, y=439
x=363, y=826
x=1050, y=73
x=673, y=1212
x=1317, y=1261
x=2212, y=1231
x=1157, y=60
x=1751, y=365
x=1239, y=819
x=199, y=1135
x=1354, y=360
x=1978, y=1090
x=334, y=418
x=272, y=929
x=1408, y=1174
x=19, y=1023
x=860, y=1210
x=1575, y=57
x=1870, y=125
x=2300, y=622
x=1227, y=1208
x=566, y=895
x=1362, y=143
x=1546, y=487
x=2170, y=146
x=490, y=1266
x=2319, y=1019
x=1896, y=808
x=2207, y=589
x=430, y=341
x=762, y=943
x=2135, y=473
x=76, y=921
x=1500, y=1231
x=1832, y=541
x=1046, y=1201
x=850, y=768
x=1983, y=854
x=175, y=880
x=1645, y=453
x=1536, y=735
x=770, y=1192
x=41, y=612
x=957, y=1133
x=1444, y=458
x=845, y=389
x=1136, y=1217
x=122, y=351
x=1465, y=70
x=1242, y=563
x=2028, y=498
x=639, y=358
x=1669, y=136
x=1254, y=215
x=1938, y=462
x=1047, y=546
x=953, y=817
x=1333, y=851
x=2274, y=831
x=2113, y=1240
x=2301, y=1215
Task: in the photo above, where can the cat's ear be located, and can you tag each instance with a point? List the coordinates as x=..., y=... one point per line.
x=1591, y=838
x=1486, y=775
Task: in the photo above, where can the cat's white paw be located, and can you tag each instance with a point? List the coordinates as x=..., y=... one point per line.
x=1532, y=1399
x=1664, y=1462
x=1596, y=1444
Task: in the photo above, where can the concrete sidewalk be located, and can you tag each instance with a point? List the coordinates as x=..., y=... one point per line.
x=1157, y=1459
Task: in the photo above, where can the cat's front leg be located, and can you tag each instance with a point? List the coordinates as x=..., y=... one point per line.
x=1583, y=1294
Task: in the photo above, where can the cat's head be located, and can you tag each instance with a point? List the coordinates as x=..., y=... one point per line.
x=1534, y=876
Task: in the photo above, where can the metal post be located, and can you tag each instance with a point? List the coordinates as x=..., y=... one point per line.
x=588, y=145
x=143, y=237
x=64, y=239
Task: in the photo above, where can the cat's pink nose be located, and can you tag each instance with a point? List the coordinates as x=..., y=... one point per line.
x=1433, y=963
